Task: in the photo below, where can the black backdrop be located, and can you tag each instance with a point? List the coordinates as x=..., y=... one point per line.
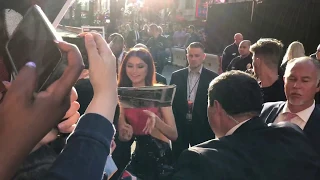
x=286, y=20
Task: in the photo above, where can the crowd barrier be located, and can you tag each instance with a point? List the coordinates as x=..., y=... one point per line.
x=212, y=62
x=76, y=30
x=179, y=57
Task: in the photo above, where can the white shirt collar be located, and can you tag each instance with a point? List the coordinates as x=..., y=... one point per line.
x=232, y=130
x=304, y=114
x=200, y=70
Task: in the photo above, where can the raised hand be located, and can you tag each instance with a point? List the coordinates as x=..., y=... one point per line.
x=27, y=117
x=151, y=122
x=103, y=76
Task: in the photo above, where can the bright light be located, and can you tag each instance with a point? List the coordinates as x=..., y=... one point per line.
x=84, y=1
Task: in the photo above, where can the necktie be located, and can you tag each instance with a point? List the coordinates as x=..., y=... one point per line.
x=288, y=116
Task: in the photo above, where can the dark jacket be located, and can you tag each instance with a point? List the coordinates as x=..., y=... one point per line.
x=253, y=152
x=271, y=111
x=198, y=130
x=229, y=53
x=161, y=79
x=241, y=64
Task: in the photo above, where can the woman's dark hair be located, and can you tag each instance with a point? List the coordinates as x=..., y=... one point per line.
x=145, y=56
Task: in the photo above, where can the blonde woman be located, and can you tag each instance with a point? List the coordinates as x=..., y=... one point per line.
x=295, y=50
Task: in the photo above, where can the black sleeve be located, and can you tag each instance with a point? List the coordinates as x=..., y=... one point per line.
x=86, y=152
x=225, y=59
x=172, y=80
x=232, y=64
x=189, y=167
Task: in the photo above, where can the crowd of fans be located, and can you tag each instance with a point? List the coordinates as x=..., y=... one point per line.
x=257, y=120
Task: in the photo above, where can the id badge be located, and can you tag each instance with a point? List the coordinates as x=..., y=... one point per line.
x=190, y=108
x=189, y=116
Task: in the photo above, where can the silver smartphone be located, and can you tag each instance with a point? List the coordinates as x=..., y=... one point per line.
x=34, y=40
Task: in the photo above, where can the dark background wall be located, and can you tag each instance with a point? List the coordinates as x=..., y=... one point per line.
x=286, y=20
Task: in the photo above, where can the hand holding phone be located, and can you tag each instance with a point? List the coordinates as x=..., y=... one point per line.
x=35, y=40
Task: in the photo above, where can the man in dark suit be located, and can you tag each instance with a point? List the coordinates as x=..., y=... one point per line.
x=161, y=79
x=133, y=36
x=157, y=45
x=301, y=84
x=247, y=147
x=189, y=104
x=231, y=51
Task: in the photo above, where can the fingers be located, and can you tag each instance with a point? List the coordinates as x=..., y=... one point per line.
x=91, y=47
x=74, y=107
x=72, y=72
x=6, y=84
x=68, y=125
x=68, y=130
x=149, y=125
x=149, y=113
x=25, y=83
x=101, y=45
x=74, y=95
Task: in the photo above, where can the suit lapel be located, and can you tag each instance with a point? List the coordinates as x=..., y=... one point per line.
x=313, y=123
x=201, y=85
x=184, y=85
x=276, y=110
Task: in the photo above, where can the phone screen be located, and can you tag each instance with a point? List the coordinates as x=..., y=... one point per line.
x=33, y=40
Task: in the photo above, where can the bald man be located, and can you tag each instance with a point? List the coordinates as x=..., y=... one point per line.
x=244, y=61
x=231, y=51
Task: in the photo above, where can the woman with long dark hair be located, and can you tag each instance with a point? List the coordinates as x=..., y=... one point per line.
x=152, y=128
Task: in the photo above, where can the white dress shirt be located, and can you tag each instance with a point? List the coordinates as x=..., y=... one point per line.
x=302, y=116
x=193, y=82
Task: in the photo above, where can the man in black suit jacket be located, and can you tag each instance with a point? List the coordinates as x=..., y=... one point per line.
x=301, y=84
x=192, y=85
x=161, y=79
x=247, y=148
x=133, y=36
x=231, y=51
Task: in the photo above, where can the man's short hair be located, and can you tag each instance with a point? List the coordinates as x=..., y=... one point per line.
x=116, y=38
x=196, y=45
x=153, y=26
x=270, y=49
x=192, y=27
x=237, y=92
x=315, y=62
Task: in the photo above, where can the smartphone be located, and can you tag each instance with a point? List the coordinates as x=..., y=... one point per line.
x=79, y=42
x=110, y=167
x=34, y=40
